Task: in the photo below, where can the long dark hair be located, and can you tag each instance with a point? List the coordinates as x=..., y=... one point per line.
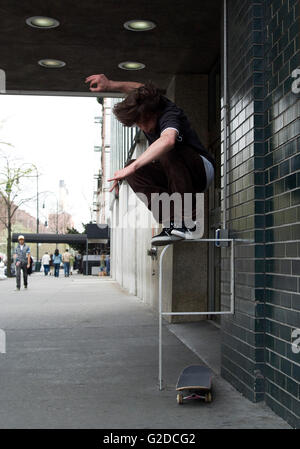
x=56, y=252
x=139, y=105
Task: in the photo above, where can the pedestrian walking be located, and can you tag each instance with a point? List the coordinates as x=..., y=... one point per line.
x=51, y=272
x=2, y=269
x=29, y=269
x=72, y=262
x=57, y=260
x=79, y=263
x=22, y=261
x=46, y=263
x=102, y=265
x=175, y=162
x=66, y=261
x=107, y=262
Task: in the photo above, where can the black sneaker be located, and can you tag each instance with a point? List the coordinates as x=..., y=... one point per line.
x=25, y=286
x=184, y=232
x=165, y=237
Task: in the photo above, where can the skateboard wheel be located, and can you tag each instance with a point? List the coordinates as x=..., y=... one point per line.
x=208, y=397
x=179, y=398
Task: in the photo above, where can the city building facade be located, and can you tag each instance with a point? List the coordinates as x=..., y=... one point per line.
x=102, y=151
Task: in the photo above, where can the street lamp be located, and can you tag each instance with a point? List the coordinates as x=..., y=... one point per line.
x=37, y=206
x=56, y=225
x=37, y=212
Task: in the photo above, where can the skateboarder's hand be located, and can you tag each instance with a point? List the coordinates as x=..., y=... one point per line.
x=115, y=187
x=100, y=81
x=121, y=174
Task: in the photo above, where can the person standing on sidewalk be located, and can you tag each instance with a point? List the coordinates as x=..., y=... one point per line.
x=66, y=260
x=102, y=265
x=71, y=263
x=22, y=261
x=57, y=259
x=107, y=263
x=2, y=269
x=46, y=263
x=51, y=270
x=175, y=162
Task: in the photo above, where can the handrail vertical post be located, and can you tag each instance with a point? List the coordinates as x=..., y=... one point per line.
x=160, y=317
x=161, y=313
x=232, y=278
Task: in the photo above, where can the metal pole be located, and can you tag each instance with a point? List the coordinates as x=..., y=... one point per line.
x=160, y=318
x=87, y=258
x=232, y=278
x=37, y=214
x=161, y=313
x=196, y=313
x=56, y=220
x=225, y=108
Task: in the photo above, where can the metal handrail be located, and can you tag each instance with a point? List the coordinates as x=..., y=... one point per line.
x=161, y=313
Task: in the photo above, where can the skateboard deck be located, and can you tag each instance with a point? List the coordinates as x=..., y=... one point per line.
x=196, y=379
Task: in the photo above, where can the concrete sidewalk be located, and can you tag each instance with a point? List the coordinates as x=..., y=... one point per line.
x=82, y=353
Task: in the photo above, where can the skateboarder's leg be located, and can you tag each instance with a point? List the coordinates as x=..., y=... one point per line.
x=148, y=180
x=185, y=172
x=181, y=172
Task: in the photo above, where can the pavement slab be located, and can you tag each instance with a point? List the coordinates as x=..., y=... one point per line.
x=81, y=353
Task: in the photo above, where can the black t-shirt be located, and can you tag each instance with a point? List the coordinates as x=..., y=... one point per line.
x=172, y=116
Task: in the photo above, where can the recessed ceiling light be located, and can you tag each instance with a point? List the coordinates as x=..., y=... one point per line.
x=42, y=22
x=131, y=65
x=139, y=25
x=51, y=63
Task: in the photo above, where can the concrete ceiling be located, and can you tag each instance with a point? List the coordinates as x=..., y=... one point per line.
x=91, y=39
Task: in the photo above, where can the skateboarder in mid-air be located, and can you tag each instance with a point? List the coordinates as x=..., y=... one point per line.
x=174, y=162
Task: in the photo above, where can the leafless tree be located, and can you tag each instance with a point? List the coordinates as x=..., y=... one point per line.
x=12, y=176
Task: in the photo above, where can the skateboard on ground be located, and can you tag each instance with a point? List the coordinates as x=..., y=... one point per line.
x=194, y=383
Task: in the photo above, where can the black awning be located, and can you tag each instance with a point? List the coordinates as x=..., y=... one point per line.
x=95, y=233
x=52, y=238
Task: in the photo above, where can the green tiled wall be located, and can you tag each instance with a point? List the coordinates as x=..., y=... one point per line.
x=282, y=181
x=243, y=345
x=263, y=204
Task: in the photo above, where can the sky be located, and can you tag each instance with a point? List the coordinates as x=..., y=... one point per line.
x=58, y=135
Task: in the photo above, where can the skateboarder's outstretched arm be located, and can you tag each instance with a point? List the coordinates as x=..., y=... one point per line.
x=103, y=84
x=142, y=108
x=161, y=146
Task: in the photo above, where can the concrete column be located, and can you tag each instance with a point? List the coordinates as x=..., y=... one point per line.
x=186, y=285
x=185, y=264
